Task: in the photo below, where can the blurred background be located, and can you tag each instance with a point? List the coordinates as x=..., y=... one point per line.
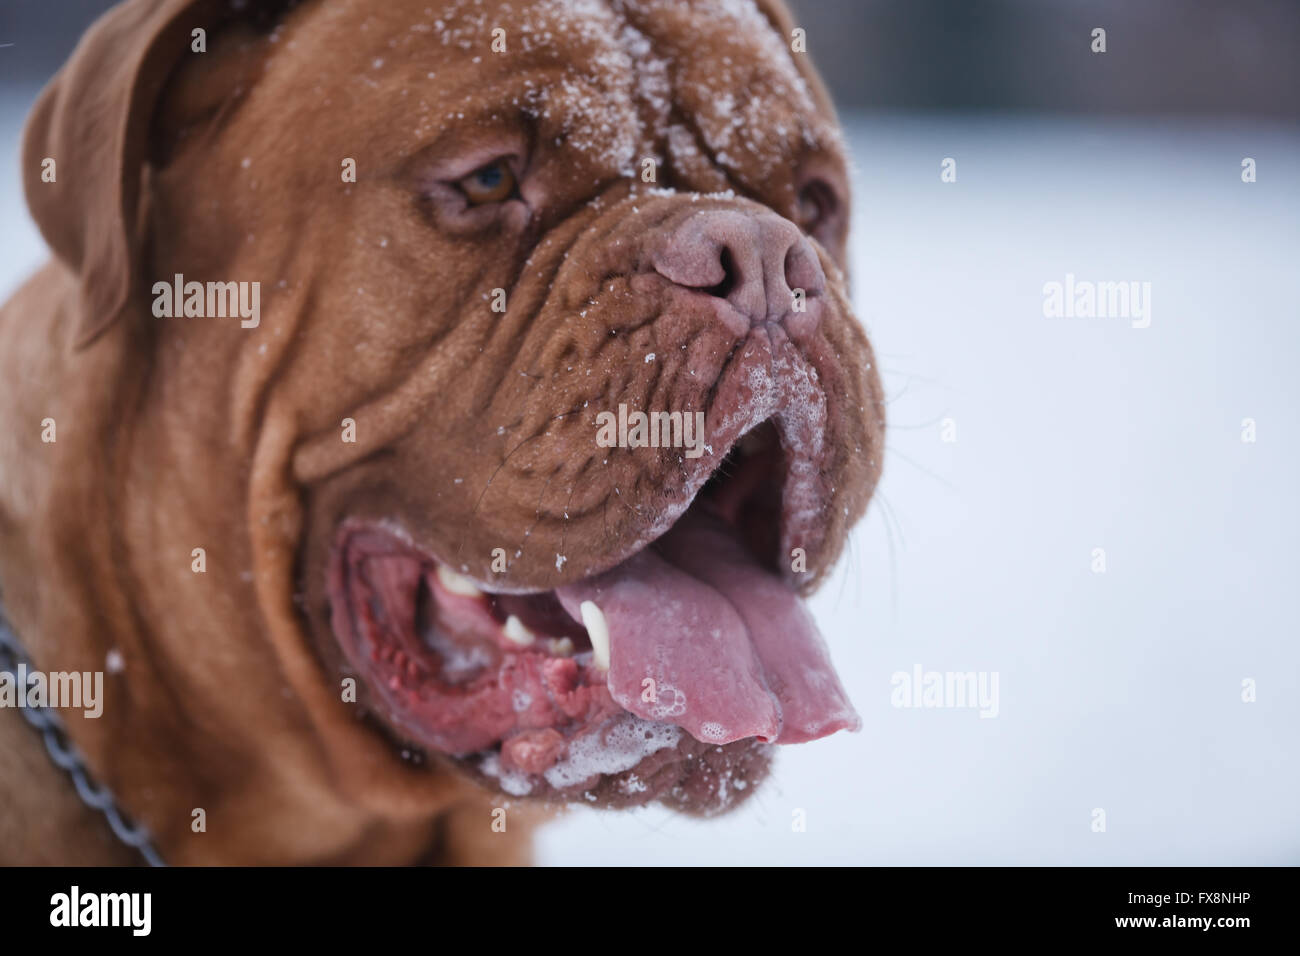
x=1200, y=57
x=1019, y=444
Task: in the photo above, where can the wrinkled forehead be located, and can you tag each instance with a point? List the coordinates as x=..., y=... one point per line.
x=609, y=78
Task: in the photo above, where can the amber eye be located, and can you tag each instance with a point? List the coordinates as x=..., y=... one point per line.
x=494, y=182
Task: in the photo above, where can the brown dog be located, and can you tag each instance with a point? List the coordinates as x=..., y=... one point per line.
x=428, y=585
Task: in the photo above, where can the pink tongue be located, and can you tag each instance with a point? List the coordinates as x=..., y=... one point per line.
x=703, y=637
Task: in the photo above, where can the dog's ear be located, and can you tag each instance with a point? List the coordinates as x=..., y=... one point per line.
x=92, y=121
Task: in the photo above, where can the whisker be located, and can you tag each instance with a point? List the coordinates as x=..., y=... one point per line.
x=921, y=468
x=886, y=517
x=923, y=379
x=889, y=400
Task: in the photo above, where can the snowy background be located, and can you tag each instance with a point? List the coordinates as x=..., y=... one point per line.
x=1119, y=690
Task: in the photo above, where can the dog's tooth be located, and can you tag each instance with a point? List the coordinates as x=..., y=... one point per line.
x=593, y=618
x=517, y=632
x=561, y=647
x=457, y=583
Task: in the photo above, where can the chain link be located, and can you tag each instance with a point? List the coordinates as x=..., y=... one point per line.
x=64, y=754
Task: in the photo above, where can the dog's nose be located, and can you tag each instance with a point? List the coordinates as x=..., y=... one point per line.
x=758, y=262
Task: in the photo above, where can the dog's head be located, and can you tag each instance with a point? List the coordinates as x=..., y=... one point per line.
x=556, y=404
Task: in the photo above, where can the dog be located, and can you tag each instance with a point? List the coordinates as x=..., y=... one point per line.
x=364, y=583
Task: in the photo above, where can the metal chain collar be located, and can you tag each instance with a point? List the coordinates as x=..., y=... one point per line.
x=67, y=758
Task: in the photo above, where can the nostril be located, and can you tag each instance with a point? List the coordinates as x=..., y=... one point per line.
x=803, y=270
x=790, y=267
x=729, y=273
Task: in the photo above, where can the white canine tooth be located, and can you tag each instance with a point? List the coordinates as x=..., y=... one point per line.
x=517, y=631
x=457, y=583
x=598, y=631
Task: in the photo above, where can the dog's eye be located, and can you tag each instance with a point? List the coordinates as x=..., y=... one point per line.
x=494, y=182
x=817, y=209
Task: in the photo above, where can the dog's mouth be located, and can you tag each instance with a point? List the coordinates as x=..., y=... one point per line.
x=664, y=677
